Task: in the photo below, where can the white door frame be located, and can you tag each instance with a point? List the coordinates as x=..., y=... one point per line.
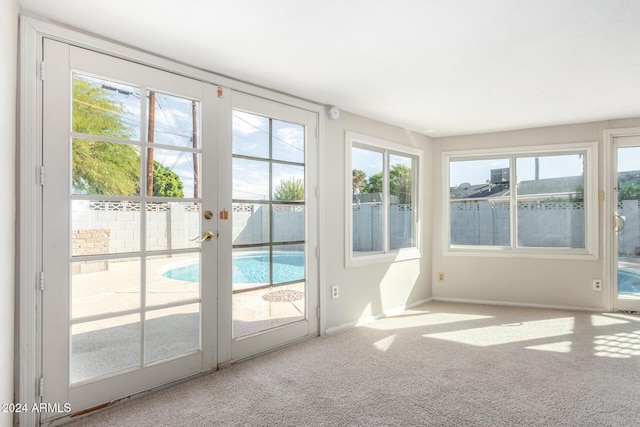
x=29, y=249
x=610, y=246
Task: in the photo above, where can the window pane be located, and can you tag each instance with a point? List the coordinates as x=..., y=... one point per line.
x=288, y=223
x=250, y=223
x=104, y=347
x=106, y=286
x=367, y=168
x=550, y=195
x=288, y=141
x=172, y=278
x=250, y=179
x=288, y=182
x=479, y=202
x=175, y=173
x=250, y=135
x=173, y=120
x=105, y=108
x=104, y=227
x=172, y=332
x=172, y=225
x=401, y=202
x=105, y=168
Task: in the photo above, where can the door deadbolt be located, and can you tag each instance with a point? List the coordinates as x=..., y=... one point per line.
x=208, y=214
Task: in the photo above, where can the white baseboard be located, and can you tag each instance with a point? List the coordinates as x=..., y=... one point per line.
x=369, y=319
x=516, y=304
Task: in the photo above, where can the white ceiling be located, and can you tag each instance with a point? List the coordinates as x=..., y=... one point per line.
x=440, y=67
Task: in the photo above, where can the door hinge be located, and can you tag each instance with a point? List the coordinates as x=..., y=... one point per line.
x=42, y=70
x=41, y=175
x=42, y=281
x=318, y=312
x=41, y=386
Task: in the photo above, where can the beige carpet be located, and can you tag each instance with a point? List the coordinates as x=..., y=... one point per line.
x=441, y=364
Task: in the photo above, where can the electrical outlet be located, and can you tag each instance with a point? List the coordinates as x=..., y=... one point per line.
x=441, y=277
x=597, y=284
x=335, y=292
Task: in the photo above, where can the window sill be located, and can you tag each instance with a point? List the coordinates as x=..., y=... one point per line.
x=534, y=253
x=382, y=258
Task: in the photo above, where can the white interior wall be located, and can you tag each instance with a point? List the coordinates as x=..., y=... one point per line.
x=382, y=287
x=549, y=282
x=8, y=66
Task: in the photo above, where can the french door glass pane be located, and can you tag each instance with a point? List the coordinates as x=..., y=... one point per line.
x=250, y=135
x=250, y=223
x=550, y=194
x=288, y=182
x=288, y=141
x=173, y=120
x=105, y=108
x=104, y=347
x=104, y=286
x=250, y=179
x=479, y=208
x=288, y=223
x=288, y=263
x=105, y=168
x=250, y=268
x=102, y=227
x=172, y=225
x=172, y=278
x=172, y=332
x=175, y=173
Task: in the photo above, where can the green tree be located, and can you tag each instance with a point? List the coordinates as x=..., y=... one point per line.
x=291, y=189
x=358, y=181
x=101, y=167
x=166, y=183
x=374, y=183
x=628, y=190
x=400, y=180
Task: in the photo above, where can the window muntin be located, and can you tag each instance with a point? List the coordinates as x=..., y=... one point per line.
x=382, y=219
x=539, y=202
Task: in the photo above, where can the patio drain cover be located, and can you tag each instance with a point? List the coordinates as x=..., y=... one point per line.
x=283, y=295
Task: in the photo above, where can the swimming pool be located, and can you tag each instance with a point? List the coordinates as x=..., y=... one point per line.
x=252, y=267
x=628, y=282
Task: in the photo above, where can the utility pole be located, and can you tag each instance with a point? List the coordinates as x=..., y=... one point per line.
x=196, y=168
x=150, y=137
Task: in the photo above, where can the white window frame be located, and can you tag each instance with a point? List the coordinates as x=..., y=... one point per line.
x=354, y=139
x=590, y=251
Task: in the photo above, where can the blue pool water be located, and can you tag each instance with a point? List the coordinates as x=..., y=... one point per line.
x=250, y=268
x=628, y=282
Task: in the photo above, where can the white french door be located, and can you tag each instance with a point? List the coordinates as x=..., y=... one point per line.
x=270, y=275
x=179, y=227
x=129, y=299
x=626, y=222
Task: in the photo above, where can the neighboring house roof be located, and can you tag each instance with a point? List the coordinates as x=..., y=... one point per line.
x=571, y=184
x=567, y=184
x=372, y=198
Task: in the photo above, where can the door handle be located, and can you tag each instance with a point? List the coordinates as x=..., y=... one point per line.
x=206, y=236
x=618, y=222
